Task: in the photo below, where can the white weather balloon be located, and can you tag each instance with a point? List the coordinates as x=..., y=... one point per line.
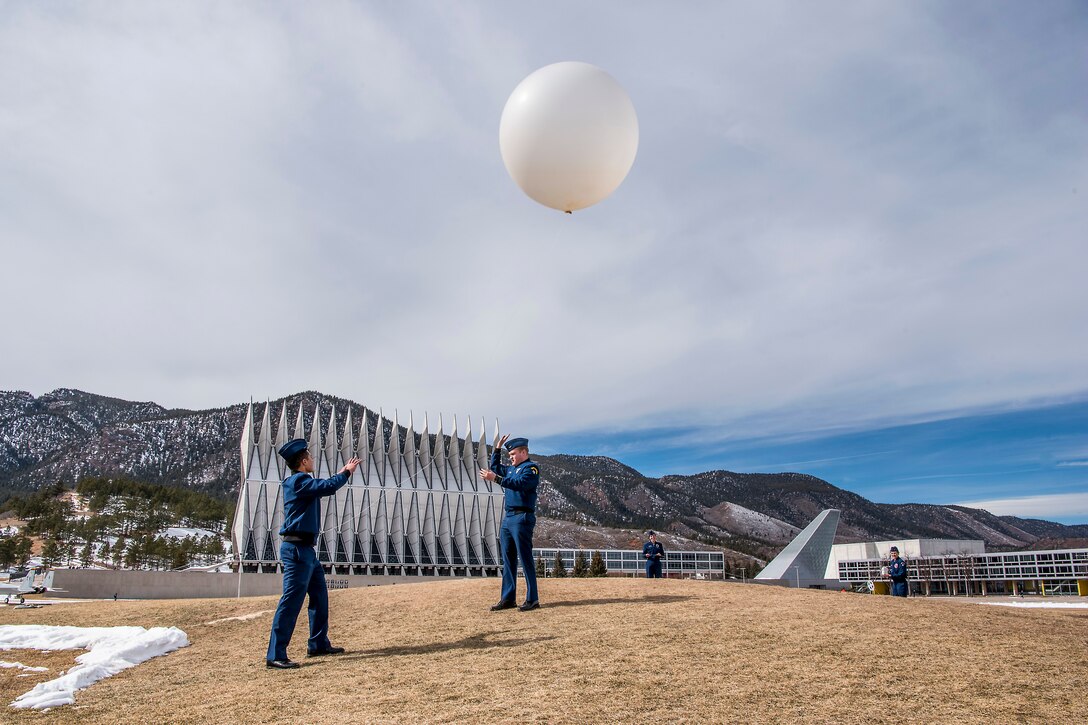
x=568, y=135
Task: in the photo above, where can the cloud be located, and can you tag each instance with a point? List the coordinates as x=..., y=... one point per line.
x=1059, y=506
x=882, y=218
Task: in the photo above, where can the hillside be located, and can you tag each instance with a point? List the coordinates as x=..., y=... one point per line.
x=598, y=650
x=67, y=435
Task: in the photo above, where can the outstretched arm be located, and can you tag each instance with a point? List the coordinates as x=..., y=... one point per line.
x=327, y=486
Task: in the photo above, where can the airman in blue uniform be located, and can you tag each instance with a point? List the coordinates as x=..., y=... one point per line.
x=519, y=482
x=302, y=572
x=897, y=572
x=654, y=553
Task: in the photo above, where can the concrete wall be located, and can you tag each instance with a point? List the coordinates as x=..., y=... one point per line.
x=103, y=584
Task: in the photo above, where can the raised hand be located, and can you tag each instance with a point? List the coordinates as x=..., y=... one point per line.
x=349, y=467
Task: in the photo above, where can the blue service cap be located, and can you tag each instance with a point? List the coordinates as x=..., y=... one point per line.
x=517, y=443
x=292, y=448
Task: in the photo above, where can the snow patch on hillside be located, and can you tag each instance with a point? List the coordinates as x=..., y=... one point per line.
x=180, y=532
x=738, y=518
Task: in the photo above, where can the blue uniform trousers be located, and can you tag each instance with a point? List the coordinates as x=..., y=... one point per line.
x=653, y=568
x=516, y=542
x=302, y=575
x=899, y=589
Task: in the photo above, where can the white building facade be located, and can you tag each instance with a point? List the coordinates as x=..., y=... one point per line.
x=908, y=549
x=415, y=506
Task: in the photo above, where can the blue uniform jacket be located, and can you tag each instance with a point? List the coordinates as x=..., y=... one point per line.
x=897, y=570
x=302, y=501
x=651, y=548
x=519, y=483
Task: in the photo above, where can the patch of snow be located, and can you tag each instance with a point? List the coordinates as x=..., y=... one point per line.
x=1040, y=605
x=239, y=618
x=21, y=666
x=109, y=651
x=180, y=532
x=753, y=522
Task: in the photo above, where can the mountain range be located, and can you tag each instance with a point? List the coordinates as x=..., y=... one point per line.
x=68, y=434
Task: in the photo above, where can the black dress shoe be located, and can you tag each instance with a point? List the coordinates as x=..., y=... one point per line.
x=528, y=606
x=323, y=652
x=502, y=605
x=281, y=664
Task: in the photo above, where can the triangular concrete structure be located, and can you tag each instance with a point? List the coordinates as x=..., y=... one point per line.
x=808, y=551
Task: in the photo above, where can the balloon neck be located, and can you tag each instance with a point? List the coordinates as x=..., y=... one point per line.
x=568, y=211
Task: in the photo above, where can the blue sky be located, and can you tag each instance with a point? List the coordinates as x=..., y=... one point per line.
x=842, y=216
x=1030, y=462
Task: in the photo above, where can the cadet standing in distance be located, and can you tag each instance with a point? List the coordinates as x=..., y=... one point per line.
x=897, y=570
x=519, y=482
x=654, y=553
x=302, y=572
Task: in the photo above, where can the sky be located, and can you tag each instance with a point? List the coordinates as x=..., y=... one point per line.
x=848, y=224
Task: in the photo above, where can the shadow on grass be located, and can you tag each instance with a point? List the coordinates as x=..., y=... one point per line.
x=484, y=640
x=648, y=599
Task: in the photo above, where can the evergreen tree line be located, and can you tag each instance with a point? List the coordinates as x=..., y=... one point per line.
x=582, y=568
x=171, y=505
x=130, y=514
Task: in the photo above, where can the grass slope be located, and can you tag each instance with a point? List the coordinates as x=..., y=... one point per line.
x=613, y=650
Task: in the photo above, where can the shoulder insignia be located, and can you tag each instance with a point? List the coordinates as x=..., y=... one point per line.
x=533, y=469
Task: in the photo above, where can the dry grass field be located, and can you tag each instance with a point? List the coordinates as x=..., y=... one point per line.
x=605, y=650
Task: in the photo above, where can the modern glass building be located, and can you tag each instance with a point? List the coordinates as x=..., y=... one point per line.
x=1055, y=572
x=699, y=564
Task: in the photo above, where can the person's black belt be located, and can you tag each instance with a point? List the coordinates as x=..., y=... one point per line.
x=518, y=510
x=301, y=538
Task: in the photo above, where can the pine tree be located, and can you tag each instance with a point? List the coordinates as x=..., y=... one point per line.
x=133, y=554
x=7, y=551
x=23, y=548
x=541, y=570
x=558, y=570
x=180, y=557
x=119, y=552
x=86, y=556
x=52, y=553
x=581, y=566
x=69, y=551
x=597, y=566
